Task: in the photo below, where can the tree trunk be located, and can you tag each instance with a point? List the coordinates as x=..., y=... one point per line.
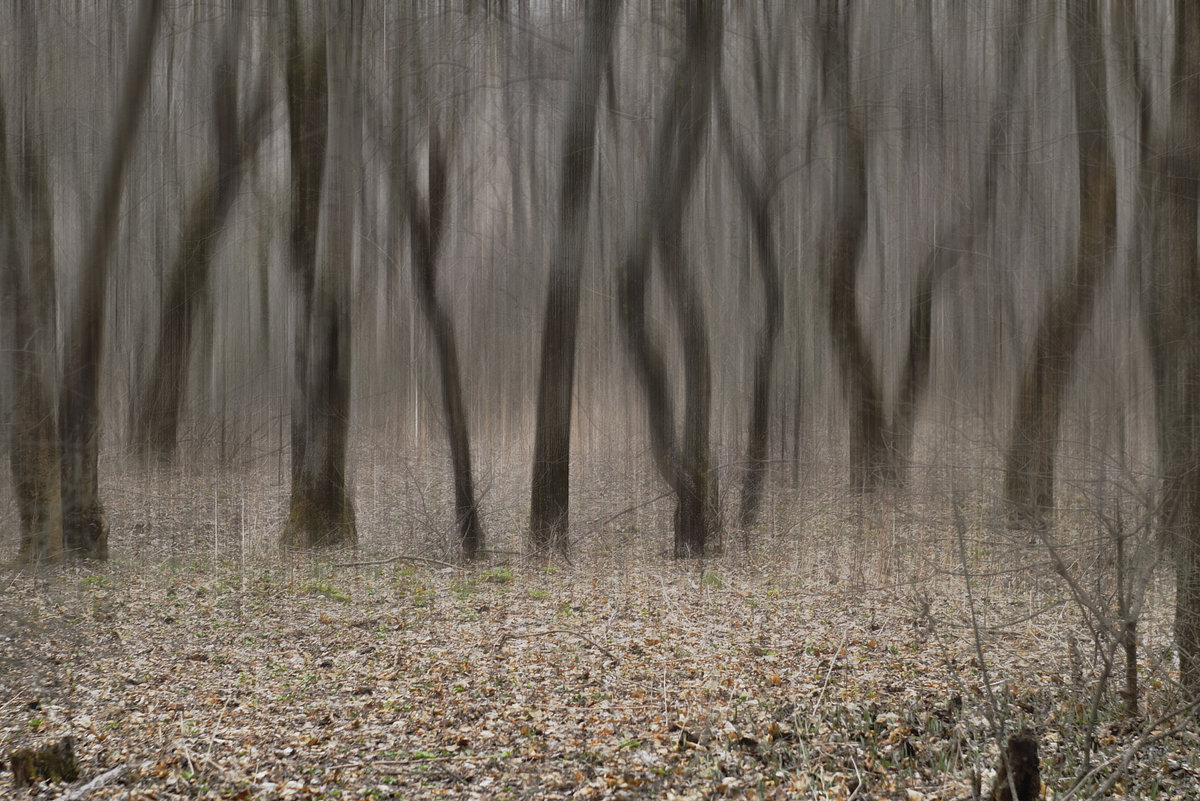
x=85, y=532
x=841, y=252
x=157, y=409
x=677, y=150
x=550, y=493
x=27, y=286
x=1174, y=320
x=320, y=511
x=1029, y=464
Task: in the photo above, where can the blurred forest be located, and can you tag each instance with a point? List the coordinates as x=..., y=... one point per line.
x=728, y=258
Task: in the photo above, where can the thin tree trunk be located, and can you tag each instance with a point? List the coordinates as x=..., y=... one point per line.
x=756, y=192
x=841, y=252
x=550, y=492
x=321, y=512
x=157, y=410
x=1174, y=320
x=427, y=224
x=677, y=150
x=1029, y=464
x=85, y=532
x=27, y=286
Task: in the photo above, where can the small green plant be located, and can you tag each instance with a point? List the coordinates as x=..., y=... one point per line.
x=537, y=595
x=499, y=575
x=327, y=590
x=712, y=579
x=95, y=582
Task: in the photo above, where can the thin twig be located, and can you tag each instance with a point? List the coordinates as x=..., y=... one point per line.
x=530, y=634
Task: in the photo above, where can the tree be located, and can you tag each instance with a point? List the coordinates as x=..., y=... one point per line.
x=550, y=492
x=27, y=287
x=1173, y=312
x=678, y=141
x=428, y=215
x=757, y=186
x=85, y=531
x=1029, y=463
x=323, y=149
x=840, y=252
x=157, y=407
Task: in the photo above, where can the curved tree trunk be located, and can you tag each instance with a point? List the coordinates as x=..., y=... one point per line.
x=1029, y=464
x=85, y=532
x=677, y=150
x=550, y=492
x=841, y=250
x=157, y=405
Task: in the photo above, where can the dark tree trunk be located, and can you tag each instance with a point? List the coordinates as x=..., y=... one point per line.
x=1029, y=464
x=550, y=494
x=157, y=409
x=757, y=189
x=27, y=287
x=841, y=251
x=320, y=511
x=427, y=225
x=85, y=532
x=1174, y=323
x=677, y=151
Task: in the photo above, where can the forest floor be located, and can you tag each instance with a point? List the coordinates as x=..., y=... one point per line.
x=837, y=655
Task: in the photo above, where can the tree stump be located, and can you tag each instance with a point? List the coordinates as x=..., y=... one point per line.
x=1021, y=763
x=54, y=762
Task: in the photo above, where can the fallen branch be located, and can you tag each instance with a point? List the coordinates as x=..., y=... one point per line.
x=85, y=789
x=529, y=635
x=394, y=559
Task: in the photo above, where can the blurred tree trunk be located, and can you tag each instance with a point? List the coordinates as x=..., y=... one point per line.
x=757, y=188
x=841, y=249
x=427, y=221
x=27, y=287
x=1029, y=464
x=157, y=405
x=677, y=150
x=85, y=532
x=1174, y=322
x=321, y=513
x=550, y=493
x=957, y=233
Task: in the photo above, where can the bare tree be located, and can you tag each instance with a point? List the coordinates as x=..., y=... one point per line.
x=678, y=147
x=428, y=215
x=85, y=531
x=27, y=287
x=323, y=152
x=157, y=408
x=841, y=249
x=1029, y=464
x=757, y=184
x=1173, y=310
x=550, y=493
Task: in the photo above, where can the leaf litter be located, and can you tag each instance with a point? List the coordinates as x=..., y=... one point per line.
x=765, y=673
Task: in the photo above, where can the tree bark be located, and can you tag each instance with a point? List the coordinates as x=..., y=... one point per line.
x=27, y=286
x=1174, y=322
x=85, y=531
x=157, y=410
x=320, y=513
x=841, y=251
x=1029, y=464
x=550, y=493
x=677, y=151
